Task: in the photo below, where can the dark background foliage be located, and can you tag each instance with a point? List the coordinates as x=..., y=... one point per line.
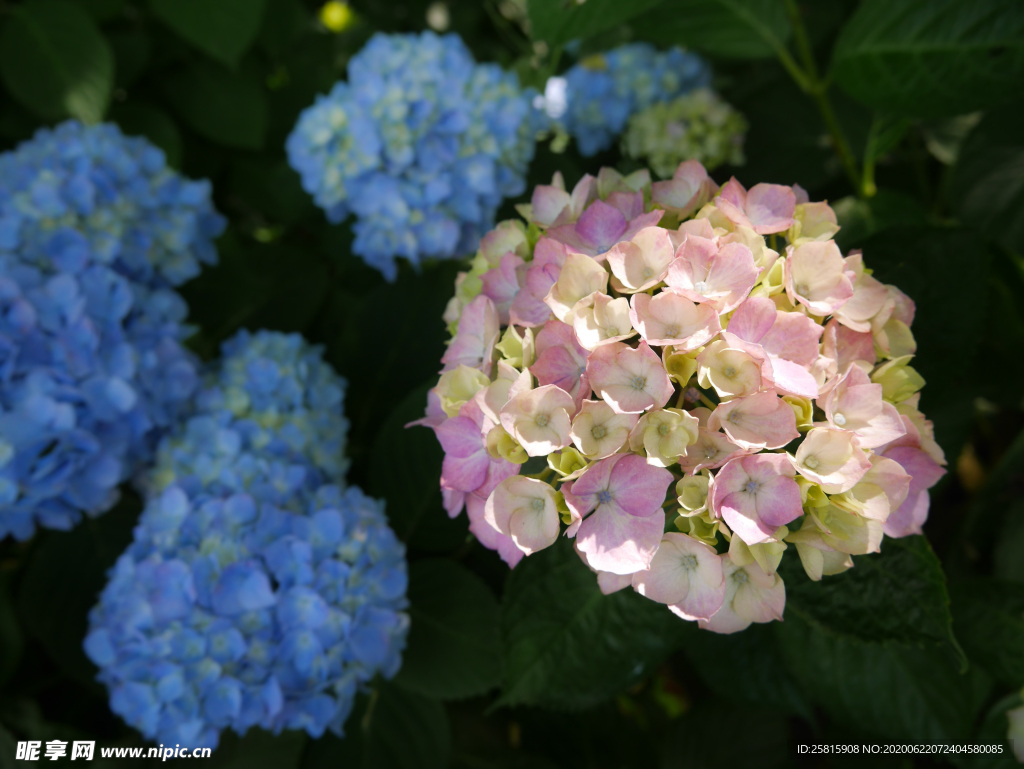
x=899, y=112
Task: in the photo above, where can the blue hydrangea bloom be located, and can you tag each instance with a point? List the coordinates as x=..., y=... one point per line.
x=270, y=395
x=421, y=144
x=256, y=592
x=602, y=92
x=94, y=233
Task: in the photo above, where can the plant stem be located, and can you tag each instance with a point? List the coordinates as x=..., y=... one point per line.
x=812, y=84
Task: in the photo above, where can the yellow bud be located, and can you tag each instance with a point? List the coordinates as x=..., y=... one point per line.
x=681, y=365
x=567, y=462
x=336, y=16
x=811, y=493
x=899, y=381
x=700, y=527
x=692, y=493
x=459, y=385
x=804, y=410
x=501, y=445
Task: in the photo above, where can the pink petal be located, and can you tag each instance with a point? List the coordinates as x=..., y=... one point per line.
x=548, y=203
x=753, y=319
x=638, y=487
x=794, y=337
x=770, y=208
x=601, y=226
x=501, y=284
x=615, y=541
x=909, y=517
x=489, y=536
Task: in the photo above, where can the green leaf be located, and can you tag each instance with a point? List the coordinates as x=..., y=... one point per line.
x=12, y=640
x=1008, y=557
x=405, y=731
x=54, y=60
x=928, y=58
x=405, y=469
x=990, y=623
x=695, y=740
x=993, y=731
x=103, y=10
x=567, y=646
x=559, y=21
x=453, y=650
x=258, y=750
x=988, y=180
x=929, y=265
x=132, y=52
x=63, y=580
x=139, y=119
x=888, y=209
x=898, y=594
x=224, y=107
x=755, y=674
x=737, y=29
x=887, y=691
x=222, y=28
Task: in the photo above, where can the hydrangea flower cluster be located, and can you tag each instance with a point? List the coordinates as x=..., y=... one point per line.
x=257, y=590
x=697, y=126
x=684, y=347
x=602, y=92
x=422, y=144
x=95, y=231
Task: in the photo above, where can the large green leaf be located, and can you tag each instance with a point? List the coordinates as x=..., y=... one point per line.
x=888, y=691
x=932, y=57
x=12, y=640
x=739, y=29
x=988, y=181
x=990, y=623
x=405, y=469
x=453, y=650
x=140, y=119
x=63, y=580
x=224, y=107
x=258, y=749
x=568, y=646
x=940, y=269
x=54, y=60
x=222, y=28
x=559, y=21
x=404, y=730
x=694, y=740
x=896, y=595
x=755, y=674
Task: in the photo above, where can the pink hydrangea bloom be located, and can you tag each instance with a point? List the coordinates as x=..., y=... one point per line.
x=631, y=380
x=473, y=344
x=765, y=209
x=772, y=391
x=759, y=421
x=562, y=361
x=831, y=458
x=671, y=319
x=524, y=509
x=686, y=574
x=539, y=419
x=756, y=495
x=816, y=277
x=703, y=271
x=625, y=493
x=751, y=596
x=641, y=262
x=689, y=188
x=924, y=472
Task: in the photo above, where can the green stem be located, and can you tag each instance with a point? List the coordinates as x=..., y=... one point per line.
x=812, y=84
x=707, y=401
